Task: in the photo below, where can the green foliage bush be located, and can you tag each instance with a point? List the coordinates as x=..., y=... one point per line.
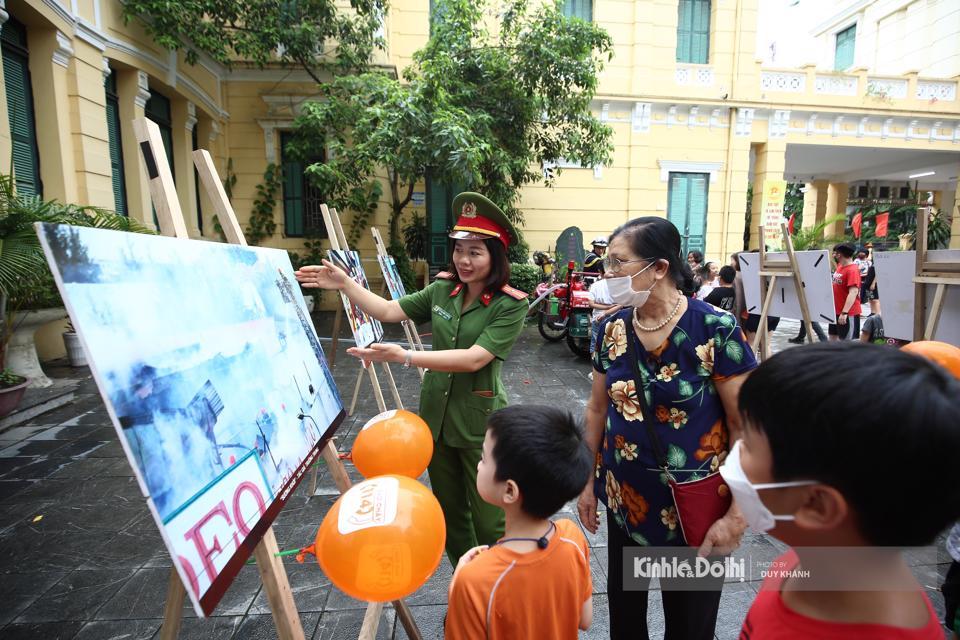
x=524, y=277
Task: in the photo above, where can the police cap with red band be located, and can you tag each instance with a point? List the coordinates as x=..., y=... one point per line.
x=480, y=219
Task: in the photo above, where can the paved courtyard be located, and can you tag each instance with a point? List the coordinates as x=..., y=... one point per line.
x=81, y=557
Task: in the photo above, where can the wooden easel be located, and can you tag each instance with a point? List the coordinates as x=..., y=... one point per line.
x=942, y=274
x=770, y=270
x=272, y=573
x=275, y=583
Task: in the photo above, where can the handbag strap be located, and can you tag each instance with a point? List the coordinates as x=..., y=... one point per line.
x=648, y=416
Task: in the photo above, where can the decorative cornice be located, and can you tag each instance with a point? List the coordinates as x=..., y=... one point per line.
x=4, y=16
x=685, y=166
x=88, y=33
x=106, y=68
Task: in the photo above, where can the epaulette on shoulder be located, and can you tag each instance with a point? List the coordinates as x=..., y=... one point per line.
x=444, y=275
x=514, y=293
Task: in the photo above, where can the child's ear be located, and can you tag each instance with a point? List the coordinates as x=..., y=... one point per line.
x=511, y=492
x=824, y=508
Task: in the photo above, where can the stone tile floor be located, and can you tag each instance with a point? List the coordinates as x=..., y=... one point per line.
x=81, y=557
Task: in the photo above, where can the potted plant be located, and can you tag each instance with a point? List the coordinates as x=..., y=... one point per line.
x=71, y=341
x=26, y=283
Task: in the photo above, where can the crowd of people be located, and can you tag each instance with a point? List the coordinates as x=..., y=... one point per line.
x=686, y=442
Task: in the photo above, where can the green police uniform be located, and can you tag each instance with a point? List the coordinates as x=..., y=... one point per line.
x=456, y=405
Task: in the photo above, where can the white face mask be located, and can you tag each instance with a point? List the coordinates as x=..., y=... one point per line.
x=745, y=493
x=622, y=292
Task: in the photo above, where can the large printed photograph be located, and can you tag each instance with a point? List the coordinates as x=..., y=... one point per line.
x=366, y=329
x=214, y=377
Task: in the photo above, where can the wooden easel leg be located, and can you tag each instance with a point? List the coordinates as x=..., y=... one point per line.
x=377, y=392
x=371, y=621
x=393, y=385
x=335, y=337
x=173, y=610
x=764, y=314
x=356, y=392
x=277, y=588
x=406, y=619
x=936, y=307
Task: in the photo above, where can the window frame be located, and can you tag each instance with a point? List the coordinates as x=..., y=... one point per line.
x=305, y=230
x=852, y=39
x=685, y=54
x=685, y=234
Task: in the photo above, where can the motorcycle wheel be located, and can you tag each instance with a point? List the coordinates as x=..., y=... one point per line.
x=551, y=331
x=580, y=346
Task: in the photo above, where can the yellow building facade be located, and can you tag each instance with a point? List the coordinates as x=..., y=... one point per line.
x=698, y=108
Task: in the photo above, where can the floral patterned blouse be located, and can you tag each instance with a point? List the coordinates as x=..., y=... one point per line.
x=678, y=379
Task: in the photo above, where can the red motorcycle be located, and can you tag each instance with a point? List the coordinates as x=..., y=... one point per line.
x=564, y=310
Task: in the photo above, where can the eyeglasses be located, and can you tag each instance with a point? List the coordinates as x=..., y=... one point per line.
x=615, y=265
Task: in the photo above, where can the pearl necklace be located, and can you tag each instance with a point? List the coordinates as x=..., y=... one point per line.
x=666, y=321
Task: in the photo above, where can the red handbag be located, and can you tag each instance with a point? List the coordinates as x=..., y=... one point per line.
x=700, y=502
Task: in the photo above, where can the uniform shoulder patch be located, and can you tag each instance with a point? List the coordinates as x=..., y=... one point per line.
x=444, y=275
x=514, y=293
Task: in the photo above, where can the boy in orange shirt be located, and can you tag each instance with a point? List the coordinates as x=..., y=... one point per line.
x=535, y=581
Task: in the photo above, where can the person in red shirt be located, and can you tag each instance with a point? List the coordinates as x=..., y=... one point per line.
x=806, y=475
x=846, y=294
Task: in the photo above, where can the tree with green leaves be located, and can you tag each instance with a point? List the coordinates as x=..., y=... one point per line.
x=320, y=36
x=480, y=107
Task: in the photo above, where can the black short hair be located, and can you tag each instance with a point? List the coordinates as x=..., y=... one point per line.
x=728, y=274
x=656, y=238
x=891, y=452
x=845, y=249
x=697, y=255
x=499, y=264
x=541, y=448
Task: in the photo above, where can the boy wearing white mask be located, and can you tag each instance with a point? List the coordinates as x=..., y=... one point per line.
x=811, y=478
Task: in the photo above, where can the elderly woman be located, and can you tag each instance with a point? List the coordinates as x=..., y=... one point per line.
x=691, y=359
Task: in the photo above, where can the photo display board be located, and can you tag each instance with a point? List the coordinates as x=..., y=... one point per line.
x=394, y=284
x=895, y=272
x=815, y=273
x=213, y=376
x=366, y=329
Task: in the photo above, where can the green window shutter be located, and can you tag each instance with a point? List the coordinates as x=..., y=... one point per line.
x=687, y=208
x=697, y=217
x=116, y=149
x=843, y=54
x=582, y=9
x=693, y=31
x=23, y=133
x=440, y=219
x=157, y=109
x=292, y=190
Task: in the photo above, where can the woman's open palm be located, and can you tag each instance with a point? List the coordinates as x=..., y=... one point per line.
x=327, y=276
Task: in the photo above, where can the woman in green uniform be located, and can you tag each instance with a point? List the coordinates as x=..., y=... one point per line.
x=476, y=319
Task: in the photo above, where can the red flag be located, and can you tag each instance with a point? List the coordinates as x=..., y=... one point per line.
x=857, y=224
x=790, y=223
x=883, y=219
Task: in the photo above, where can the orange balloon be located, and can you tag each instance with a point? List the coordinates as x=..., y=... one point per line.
x=382, y=539
x=393, y=442
x=946, y=355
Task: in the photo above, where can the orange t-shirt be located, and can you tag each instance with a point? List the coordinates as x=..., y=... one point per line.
x=505, y=594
